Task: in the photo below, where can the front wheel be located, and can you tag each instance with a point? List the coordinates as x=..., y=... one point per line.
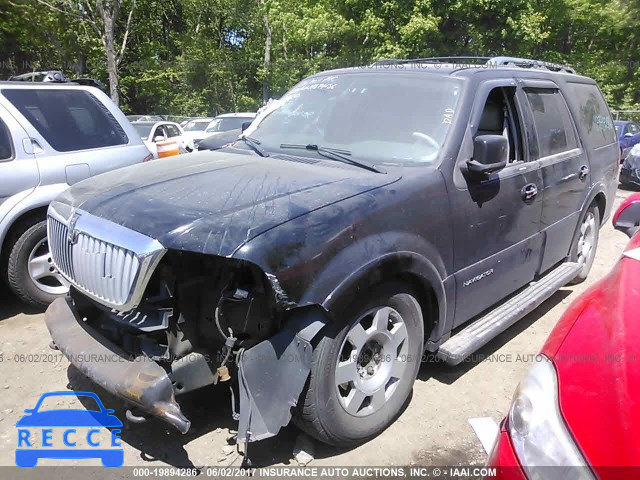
x=584, y=247
x=362, y=373
x=30, y=271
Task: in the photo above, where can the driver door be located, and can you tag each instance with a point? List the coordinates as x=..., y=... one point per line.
x=497, y=240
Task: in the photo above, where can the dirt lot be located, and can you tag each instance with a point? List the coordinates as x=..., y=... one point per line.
x=433, y=430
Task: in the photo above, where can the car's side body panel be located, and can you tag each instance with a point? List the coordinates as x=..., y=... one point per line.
x=338, y=251
x=37, y=165
x=20, y=167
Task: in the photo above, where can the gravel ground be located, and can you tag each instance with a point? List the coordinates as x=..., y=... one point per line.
x=432, y=430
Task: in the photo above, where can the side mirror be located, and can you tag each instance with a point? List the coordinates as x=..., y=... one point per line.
x=158, y=138
x=490, y=154
x=245, y=125
x=627, y=217
x=628, y=135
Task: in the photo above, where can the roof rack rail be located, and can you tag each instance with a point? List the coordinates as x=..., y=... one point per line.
x=468, y=60
x=530, y=63
x=56, y=76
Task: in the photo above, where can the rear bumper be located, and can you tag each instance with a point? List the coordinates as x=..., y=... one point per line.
x=139, y=381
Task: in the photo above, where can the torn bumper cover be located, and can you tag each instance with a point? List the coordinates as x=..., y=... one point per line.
x=272, y=375
x=139, y=381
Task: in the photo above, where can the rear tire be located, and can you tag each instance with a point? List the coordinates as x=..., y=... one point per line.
x=30, y=271
x=377, y=352
x=585, y=244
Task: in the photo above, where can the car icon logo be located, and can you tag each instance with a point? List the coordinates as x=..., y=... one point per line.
x=38, y=423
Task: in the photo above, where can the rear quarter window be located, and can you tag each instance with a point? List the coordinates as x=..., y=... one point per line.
x=593, y=115
x=68, y=119
x=6, y=150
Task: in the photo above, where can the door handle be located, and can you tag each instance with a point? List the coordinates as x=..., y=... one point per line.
x=31, y=146
x=584, y=171
x=529, y=191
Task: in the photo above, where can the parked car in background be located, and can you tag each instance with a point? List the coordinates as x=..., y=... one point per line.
x=154, y=132
x=630, y=170
x=145, y=118
x=194, y=129
x=224, y=123
x=628, y=136
x=52, y=135
x=575, y=414
x=367, y=216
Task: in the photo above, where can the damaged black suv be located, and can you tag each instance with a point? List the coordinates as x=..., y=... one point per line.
x=367, y=218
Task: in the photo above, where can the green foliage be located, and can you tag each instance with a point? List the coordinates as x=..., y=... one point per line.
x=203, y=57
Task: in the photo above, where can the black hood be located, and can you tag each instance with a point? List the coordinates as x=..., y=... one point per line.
x=219, y=140
x=214, y=202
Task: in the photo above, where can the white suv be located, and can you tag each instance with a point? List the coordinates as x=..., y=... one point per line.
x=52, y=135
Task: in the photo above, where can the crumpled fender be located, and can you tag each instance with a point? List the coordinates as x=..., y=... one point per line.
x=272, y=374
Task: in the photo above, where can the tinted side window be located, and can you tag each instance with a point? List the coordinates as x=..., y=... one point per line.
x=552, y=121
x=68, y=119
x=594, y=115
x=633, y=129
x=6, y=150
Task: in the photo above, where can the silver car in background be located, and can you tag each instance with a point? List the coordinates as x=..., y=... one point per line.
x=51, y=136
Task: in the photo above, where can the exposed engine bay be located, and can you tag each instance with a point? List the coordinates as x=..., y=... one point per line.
x=206, y=320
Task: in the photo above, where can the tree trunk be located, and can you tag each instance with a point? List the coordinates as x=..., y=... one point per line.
x=112, y=69
x=110, y=50
x=266, y=88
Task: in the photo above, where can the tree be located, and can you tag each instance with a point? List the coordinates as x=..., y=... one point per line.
x=102, y=16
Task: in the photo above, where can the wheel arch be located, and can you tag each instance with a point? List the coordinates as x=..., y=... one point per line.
x=600, y=200
x=33, y=207
x=20, y=223
x=407, y=267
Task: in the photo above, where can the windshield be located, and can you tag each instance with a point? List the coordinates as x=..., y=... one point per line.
x=380, y=118
x=226, y=124
x=196, y=126
x=143, y=130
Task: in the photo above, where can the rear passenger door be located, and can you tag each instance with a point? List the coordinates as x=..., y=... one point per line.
x=564, y=166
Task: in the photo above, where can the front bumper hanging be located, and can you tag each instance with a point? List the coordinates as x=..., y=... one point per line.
x=271, y=375
x=139, y=381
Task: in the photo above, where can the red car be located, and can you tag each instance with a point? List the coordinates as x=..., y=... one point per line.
x=576, y=414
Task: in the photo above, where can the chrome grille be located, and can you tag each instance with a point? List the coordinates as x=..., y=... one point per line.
x=84, y=250
x=104, y=270
x=61, y=248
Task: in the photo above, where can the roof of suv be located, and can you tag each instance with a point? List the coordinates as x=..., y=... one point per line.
x=463, y=66
x=40, y=85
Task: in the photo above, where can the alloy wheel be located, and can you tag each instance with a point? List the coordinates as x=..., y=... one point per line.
x=372, y=360
x=587, y=238
x=43, y=272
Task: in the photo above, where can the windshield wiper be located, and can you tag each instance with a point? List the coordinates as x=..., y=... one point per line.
x=254, y=145
x=334, y=154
